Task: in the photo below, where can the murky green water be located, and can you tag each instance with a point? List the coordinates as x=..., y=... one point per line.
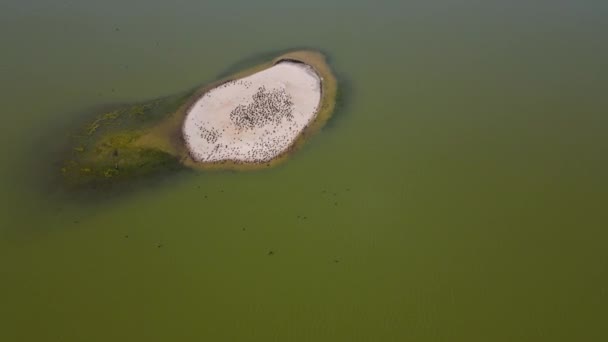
x=461, y=195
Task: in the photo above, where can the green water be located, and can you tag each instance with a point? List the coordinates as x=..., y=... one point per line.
x=461, y=194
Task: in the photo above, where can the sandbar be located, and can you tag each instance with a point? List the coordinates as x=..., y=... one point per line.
x=253, y=119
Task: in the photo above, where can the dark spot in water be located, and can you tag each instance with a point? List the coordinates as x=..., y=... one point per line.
x=336, y=261
x=270, y=252
x=76, y=221
x=159, y=245
x=244, y=229
x=126, y=236
x=115, y=154
x=336, y=204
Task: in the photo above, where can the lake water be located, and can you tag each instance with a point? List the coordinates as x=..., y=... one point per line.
x=459, y=195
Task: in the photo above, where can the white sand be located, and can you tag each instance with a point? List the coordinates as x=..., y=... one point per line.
x=228, y=123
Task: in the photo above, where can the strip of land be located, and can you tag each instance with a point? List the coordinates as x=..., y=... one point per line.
x=254, y=118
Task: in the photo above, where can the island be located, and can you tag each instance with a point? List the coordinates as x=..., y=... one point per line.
x=255, y=118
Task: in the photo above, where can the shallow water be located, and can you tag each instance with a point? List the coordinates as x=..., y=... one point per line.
x=459, y=196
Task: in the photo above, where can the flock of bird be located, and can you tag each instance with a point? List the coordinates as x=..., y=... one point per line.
x=267, y=108
x=256, y=132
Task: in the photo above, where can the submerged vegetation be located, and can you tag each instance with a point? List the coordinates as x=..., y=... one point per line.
x=106, y=148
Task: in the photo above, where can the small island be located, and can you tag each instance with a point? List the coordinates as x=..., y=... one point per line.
x=252, y=119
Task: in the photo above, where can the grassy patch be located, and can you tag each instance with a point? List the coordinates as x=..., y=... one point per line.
x=105, y=149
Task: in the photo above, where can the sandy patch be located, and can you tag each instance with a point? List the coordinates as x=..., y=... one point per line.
x=253, y=119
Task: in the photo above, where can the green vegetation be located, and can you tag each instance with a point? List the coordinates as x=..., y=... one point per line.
x=106, y=149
